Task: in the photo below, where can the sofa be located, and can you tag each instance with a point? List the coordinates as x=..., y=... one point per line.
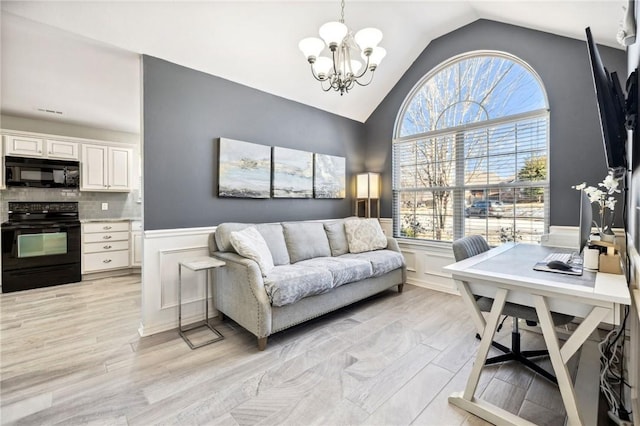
x=278, y=275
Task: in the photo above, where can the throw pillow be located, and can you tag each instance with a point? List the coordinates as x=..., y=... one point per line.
x=250, y=244
x=337, y=238
x=364, y=235
x=305, y=240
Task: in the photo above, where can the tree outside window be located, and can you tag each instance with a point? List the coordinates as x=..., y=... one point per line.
x=470, y=153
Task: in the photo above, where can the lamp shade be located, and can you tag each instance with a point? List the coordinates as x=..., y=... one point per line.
x=368, y=38
x=311, y=47
x=333, y=33
x=376, y=56
x=355, y=66
x=368, y=185
x=322, y=66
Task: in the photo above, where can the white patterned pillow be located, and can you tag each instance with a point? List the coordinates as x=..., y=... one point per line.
x=364, y=235
x=250, y=243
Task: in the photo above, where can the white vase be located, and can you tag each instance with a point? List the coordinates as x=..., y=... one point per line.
x=609, y=238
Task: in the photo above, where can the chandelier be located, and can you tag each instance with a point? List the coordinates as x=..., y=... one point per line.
x=341, y=71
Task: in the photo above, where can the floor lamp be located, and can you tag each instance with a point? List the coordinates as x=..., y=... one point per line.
x=368, y=190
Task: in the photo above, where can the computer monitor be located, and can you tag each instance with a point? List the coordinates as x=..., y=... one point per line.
x=586, y=217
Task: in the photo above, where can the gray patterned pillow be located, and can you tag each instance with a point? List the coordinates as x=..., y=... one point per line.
x=364, y=235
x=250, y=244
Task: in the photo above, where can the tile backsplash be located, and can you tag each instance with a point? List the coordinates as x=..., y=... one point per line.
x=121, y=205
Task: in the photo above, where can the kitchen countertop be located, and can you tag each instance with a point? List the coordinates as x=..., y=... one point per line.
x=122, y=219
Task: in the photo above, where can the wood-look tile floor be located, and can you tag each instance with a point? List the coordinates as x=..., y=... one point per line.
x=71, y=354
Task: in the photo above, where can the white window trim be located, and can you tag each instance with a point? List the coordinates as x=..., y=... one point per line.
x=467, y=127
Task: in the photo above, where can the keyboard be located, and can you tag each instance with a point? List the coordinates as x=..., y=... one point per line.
x=573, y=259
x=562, y=257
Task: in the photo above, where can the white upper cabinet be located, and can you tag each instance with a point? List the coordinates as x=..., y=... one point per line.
x=26, y=146
x=105, y=168
x=63, y=150
x=119, y=169
x=23, y=146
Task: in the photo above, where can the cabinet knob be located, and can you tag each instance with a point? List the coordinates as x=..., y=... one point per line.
x=106, y=261
x=106, y=237
x=106, y=227
x=107, y=247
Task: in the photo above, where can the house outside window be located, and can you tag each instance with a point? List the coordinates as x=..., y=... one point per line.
x=470, y=153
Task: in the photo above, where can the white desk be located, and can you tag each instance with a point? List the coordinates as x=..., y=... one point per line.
x=506, y=274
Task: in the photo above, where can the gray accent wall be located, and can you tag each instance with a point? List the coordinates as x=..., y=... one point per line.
x=186, y=111
x=576, y=150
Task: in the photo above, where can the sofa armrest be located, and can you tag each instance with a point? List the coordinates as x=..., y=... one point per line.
x=240, y=293
x=392, y=244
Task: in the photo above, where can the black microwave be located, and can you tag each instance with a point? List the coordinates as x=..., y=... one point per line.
x=41, y=173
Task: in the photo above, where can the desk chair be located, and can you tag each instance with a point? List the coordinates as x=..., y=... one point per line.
x=473, y=245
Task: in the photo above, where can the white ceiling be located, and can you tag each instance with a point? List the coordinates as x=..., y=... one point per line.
x=90, y=71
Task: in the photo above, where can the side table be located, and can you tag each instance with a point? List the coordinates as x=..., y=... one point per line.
x=198, y=264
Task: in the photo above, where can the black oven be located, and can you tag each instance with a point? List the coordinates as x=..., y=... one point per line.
x=40, y=246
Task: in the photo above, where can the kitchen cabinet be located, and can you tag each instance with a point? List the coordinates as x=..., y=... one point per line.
x=105, y=246
x=23, y=146
x=105, y=168
x=62, y=150
x=136, y=244
x=26, y=146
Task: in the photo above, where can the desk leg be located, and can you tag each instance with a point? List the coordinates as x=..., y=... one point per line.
x=487, y=337
x=559, y=364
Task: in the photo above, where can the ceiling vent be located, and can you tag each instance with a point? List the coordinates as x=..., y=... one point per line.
x=49, y=111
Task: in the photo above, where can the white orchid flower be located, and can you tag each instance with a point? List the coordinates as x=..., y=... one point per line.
x=610, y=183
x=611, y=203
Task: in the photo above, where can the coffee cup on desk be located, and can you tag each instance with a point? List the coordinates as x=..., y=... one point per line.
x=591, y=258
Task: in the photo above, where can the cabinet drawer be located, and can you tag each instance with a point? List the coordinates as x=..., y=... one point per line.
x=102, y=261
x=107, y=246
x=106, y=236
x=105, y=227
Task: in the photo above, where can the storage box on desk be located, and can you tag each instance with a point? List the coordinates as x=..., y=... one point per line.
x=610, y=264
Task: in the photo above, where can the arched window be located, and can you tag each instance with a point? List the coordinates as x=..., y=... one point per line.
x=470, y=152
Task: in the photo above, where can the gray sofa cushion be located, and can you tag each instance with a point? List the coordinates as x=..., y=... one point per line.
x=287, y=284
x=337, y=238
x=273, y=235
x=343, y=270
x=223, y=234
x=382, y=261
x=271, y=232
x=305, y=240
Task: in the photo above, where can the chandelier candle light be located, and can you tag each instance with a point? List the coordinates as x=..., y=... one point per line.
x=340, y=71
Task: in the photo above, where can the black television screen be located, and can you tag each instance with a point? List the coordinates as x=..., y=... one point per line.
x=611, y=108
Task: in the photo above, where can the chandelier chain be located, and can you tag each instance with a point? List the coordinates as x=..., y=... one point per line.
x=342, y=14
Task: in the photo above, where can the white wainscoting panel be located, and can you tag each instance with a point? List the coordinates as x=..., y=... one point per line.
x=425, y=259
x=163, y=249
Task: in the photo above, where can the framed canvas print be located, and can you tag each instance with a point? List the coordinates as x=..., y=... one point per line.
x=244, y=169
x=329, y=176
x=292, y=173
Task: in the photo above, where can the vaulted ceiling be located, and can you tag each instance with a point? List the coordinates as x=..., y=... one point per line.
x=81, y=59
